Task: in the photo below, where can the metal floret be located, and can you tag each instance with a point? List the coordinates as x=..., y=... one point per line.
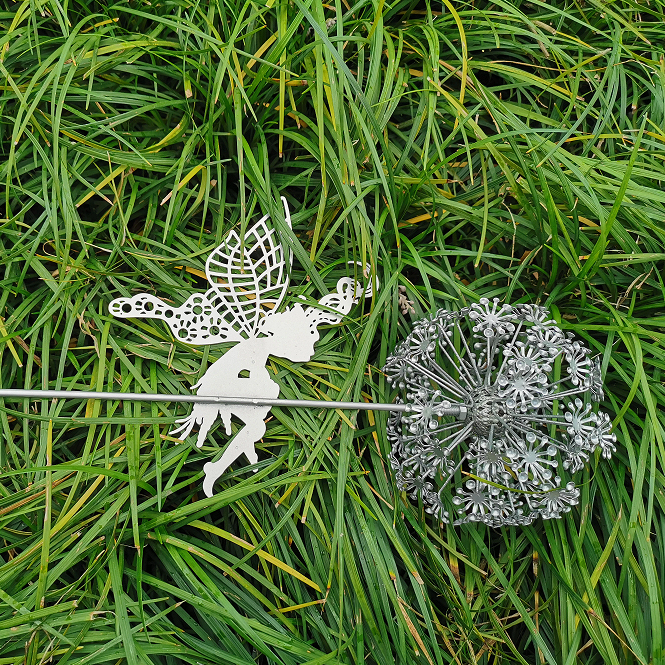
x=501, y=410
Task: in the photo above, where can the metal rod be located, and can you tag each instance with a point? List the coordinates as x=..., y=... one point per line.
x=206, y=399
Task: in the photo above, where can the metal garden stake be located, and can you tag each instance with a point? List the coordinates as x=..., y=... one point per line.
x=490, y=414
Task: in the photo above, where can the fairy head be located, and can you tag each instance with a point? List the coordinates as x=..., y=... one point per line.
x=292, y=333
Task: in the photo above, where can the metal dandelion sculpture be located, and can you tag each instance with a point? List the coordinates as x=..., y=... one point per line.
x=499, y=414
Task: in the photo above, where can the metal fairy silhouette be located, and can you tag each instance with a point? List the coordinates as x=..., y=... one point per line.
x=248, y=283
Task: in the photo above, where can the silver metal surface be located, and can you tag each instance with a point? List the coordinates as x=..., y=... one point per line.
x=11, y=393
x=530, y=393
x=248, y=281
x=497, y=405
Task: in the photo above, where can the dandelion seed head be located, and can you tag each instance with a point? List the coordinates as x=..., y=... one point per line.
x=509, y=457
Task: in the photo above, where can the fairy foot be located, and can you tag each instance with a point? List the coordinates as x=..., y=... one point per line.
x=243, y=443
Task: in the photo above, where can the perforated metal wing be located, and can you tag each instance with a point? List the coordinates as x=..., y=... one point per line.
x=249, y=279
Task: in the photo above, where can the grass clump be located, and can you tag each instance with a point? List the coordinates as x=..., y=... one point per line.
x=510, y=150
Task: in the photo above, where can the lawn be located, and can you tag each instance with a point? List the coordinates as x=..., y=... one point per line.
x=462, y=150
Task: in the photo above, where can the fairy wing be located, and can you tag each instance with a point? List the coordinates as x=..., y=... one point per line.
x=249, y=279
x=196, y=321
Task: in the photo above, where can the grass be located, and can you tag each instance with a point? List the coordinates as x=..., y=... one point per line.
x=510, y=150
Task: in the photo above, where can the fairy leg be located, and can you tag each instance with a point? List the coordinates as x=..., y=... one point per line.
x=243, y=442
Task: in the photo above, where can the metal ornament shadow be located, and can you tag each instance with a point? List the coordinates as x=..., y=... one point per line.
x=247, y=285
